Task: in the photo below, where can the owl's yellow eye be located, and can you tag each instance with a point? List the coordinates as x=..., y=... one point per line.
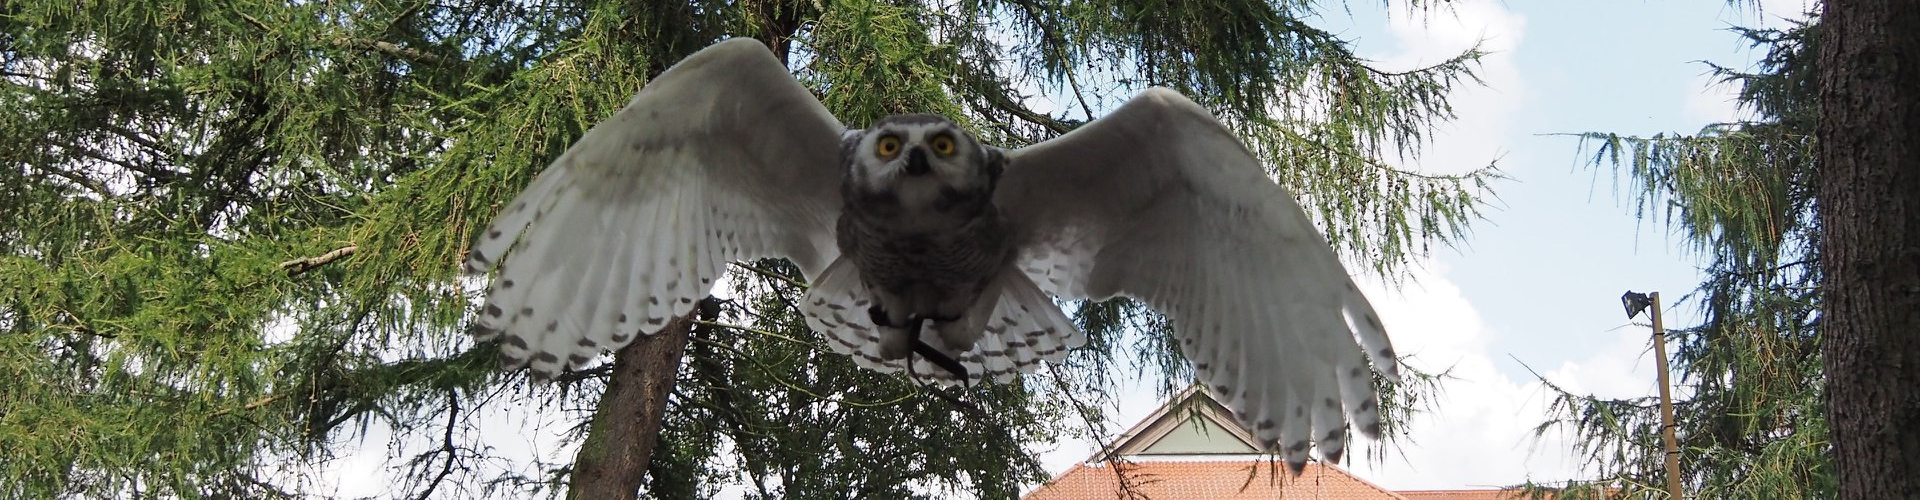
x=942, y=145
x=887, y=146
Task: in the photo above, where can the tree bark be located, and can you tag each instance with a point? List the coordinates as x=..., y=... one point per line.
x=612, y=461
x=1869, y=140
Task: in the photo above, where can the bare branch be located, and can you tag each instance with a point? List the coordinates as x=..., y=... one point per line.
x=300, y=266
x=1378, y=164
x=446, y=446
x=83, y=181
x=1005, y=103
x=570, y=376
x=389, y=48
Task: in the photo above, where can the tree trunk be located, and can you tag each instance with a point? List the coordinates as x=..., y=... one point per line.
x=612, y=461
x=1869, y=140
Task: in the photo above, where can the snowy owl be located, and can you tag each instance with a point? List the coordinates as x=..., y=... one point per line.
x=926, y=247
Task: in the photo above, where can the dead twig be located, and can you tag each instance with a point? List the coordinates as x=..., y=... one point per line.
x=300, y=266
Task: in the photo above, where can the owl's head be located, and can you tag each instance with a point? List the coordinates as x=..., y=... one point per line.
x=909, y=154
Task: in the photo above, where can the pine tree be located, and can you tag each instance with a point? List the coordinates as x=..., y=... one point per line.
x=229, y=230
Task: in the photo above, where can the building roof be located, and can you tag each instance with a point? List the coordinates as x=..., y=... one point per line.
x=1462, y=494
x=1209, y=478
x=1191, y=448
x=1191, y=423
x=1496, y=494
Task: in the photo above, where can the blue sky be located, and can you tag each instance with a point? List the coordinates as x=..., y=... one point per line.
x=1539, y=280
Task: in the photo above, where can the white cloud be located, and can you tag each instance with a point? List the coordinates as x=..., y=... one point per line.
x=1480, y=430
x=1433, y=35
x=1484, y=113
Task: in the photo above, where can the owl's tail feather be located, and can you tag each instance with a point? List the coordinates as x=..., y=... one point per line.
x=1013, y=328
x=836, y=306
x=1022, y=328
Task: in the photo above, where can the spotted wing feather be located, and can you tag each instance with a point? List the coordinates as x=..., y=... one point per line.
x=1160, y=202
x=722, y=157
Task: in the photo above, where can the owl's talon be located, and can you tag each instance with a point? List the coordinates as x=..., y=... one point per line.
x=927, y=351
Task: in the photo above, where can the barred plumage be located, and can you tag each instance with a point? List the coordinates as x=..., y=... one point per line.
x=955, y=262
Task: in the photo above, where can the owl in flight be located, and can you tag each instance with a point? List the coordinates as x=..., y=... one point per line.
x=930, y=252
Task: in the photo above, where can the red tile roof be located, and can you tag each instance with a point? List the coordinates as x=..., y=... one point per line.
x=1462, y=495
x=1486, y=494
x=1213, y=479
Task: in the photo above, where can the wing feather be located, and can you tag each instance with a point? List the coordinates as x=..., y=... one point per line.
x=724, y=156
x=1159, y=201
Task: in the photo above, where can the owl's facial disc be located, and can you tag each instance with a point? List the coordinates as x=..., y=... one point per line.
x=920, y=163
x=913, y=153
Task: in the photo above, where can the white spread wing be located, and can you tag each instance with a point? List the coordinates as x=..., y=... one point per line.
x=1158, y=201
x=722, y=157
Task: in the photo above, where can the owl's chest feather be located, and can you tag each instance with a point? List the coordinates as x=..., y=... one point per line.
x=947, y=246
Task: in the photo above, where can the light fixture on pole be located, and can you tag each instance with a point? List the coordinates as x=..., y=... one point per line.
x=1635, y=303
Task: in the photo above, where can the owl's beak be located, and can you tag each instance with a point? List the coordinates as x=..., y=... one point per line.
x=917, y=162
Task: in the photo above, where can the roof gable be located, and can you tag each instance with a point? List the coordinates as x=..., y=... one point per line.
x=1198, y=436
x=1191, y=423
x=1191, y=447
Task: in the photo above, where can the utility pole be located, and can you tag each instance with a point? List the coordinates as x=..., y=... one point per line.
x=1636, y=302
